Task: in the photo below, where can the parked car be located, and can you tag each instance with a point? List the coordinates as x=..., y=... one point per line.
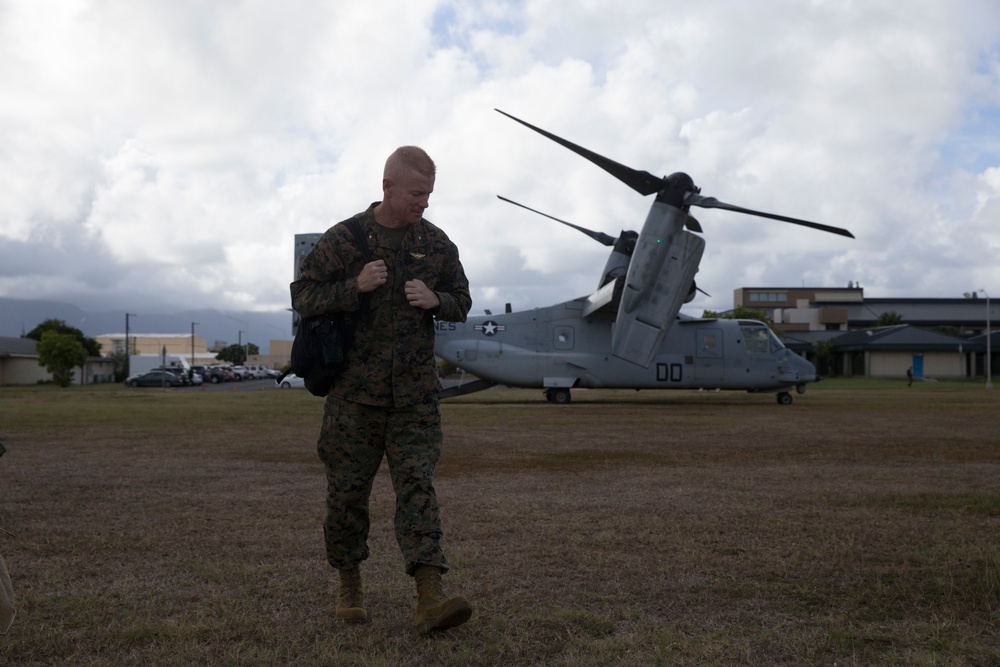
x=155, y=379
x=205, y=373
x=213, y=374
x=242, y=373
x=291, y=380
x=182, y=374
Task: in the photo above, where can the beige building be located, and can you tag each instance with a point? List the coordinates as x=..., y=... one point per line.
x=19, y=356
x=280, y=355
x=19, y=362
x=801, y=309
x=183, y=345
x=935, y=337
x=794, y=309
x=19, y=365
x=190, y=348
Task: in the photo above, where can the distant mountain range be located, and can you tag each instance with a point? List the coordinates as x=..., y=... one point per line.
x=19, y=316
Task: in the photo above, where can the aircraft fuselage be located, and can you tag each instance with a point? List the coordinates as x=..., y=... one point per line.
x=556, y=347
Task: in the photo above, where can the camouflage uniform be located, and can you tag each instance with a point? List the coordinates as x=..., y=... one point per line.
x=384, y=401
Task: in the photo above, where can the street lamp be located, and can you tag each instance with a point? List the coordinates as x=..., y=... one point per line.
x=989, y=352
x=128, y=353
x=240, y=344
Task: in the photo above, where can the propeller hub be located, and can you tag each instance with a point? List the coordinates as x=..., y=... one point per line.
x=676, y=188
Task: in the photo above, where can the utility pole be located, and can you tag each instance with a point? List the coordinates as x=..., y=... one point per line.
x=989, y=351
x=246, y=330
x=192, y=342
x=128, y=351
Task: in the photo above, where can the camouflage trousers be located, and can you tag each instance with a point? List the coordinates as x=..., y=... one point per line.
x=352, y=442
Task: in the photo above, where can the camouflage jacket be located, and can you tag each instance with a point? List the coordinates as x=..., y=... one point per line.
x=391, y=362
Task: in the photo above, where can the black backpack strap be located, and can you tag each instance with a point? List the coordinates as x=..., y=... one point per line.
x=354, y=225
x=359, y=237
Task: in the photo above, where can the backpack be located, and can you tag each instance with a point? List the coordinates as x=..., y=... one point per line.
x=321, y=341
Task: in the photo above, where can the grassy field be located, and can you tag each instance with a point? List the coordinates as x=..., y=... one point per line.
x=858, y=526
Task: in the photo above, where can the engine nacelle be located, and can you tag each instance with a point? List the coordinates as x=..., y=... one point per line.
x=659, y=278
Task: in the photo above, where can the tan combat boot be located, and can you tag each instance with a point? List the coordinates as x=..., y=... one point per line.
x=350, y=602
x=434, y=610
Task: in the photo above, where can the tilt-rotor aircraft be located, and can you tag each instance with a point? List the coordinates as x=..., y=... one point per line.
x=629, y=333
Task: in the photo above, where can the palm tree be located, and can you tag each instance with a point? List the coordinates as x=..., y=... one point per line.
x=888, y=319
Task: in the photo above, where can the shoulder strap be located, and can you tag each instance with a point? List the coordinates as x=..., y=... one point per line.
x=359, y=237
x=354, y=225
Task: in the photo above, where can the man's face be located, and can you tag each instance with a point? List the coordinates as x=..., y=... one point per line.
x=408, y=196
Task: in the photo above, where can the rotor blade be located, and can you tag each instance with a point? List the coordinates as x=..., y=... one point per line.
x=642, y=182
x=600, y=237
x=712, y=202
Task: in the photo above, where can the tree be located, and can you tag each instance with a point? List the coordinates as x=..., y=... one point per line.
x=888, y=319
x=823, y=350
x=60, y=353
x=119, y=358
x=92, y=347
x=236, y=354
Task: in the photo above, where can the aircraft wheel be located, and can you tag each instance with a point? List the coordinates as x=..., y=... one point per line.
x=557, y=395
x=784, y=398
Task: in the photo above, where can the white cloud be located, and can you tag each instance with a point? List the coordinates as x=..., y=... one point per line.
x=174, y=149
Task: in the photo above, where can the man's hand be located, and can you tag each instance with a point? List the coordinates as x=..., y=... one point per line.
x=372, y=276
x=420, y=295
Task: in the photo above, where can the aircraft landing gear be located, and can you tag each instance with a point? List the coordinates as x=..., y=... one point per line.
x=784, y=398
x=557, y=395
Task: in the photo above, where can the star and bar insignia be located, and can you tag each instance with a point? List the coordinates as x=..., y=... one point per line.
x=490, y=328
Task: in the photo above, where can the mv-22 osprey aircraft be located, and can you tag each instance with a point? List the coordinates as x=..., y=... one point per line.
x=629, y=333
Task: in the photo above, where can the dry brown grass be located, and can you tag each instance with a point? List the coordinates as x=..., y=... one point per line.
x=856, y=527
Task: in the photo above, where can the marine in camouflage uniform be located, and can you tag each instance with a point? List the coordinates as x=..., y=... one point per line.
x=384, y=400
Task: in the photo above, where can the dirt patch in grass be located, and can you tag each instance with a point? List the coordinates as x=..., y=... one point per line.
x=686, y=528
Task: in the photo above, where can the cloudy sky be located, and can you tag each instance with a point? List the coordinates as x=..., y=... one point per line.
x=162, y=154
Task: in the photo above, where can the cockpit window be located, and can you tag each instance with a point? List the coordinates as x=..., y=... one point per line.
x=759, y=339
